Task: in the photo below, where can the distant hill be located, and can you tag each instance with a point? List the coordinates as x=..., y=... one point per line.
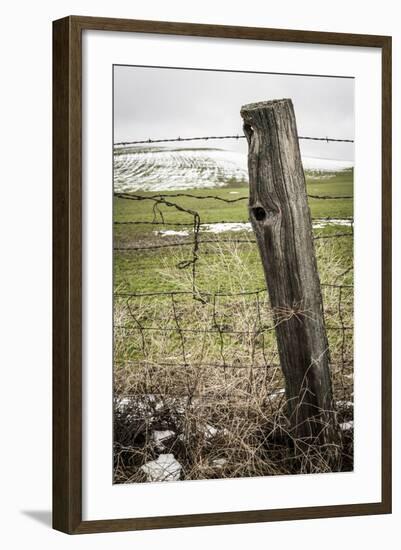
x=157, y=169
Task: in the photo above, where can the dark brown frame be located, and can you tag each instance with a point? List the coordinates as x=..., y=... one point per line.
x=67, y=280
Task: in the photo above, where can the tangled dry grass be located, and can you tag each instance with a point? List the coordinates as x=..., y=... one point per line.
x=200, y=378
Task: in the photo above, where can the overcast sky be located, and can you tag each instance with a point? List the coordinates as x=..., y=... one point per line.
x=162, y=102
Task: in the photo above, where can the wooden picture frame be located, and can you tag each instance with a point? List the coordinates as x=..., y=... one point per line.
x=67, y=274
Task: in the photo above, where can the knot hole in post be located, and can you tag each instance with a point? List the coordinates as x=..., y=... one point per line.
x=259, y=213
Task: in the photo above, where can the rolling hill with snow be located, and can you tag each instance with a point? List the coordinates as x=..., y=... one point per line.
x=167, y=169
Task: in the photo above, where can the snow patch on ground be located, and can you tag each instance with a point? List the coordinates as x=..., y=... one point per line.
x=159, y=438
x=164, y=468
x=223, y=227
x=345, y=404
x=277, y=393
x=229, y=226
x=219, y=462
x=172, y=233
x=321, y=224
x=345, y=426
x=210, y=431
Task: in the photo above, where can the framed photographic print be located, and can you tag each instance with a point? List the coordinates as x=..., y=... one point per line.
x=222, y=274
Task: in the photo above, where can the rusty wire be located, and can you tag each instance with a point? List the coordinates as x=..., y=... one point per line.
x=149, y=141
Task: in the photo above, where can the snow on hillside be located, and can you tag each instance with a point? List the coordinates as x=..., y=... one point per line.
x=313, y=164
x=157, y=169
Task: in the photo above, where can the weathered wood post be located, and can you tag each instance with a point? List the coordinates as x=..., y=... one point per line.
x=280, y=218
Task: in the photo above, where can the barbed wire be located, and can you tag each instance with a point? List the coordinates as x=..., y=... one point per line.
x=133, y=196
x=220, y=222
x=138, y=294
x=156, y=197
x=199, y=242
x=163, y=199
x=177, y=323
x=207, y=138
x=214, y=331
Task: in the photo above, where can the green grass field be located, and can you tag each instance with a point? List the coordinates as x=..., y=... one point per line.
x=140, y=270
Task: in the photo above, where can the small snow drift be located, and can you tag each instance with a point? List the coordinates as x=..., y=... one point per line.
x=345, y=426
x=219, y=462
x=164, y=468
x=160, y=437
x=210, y=431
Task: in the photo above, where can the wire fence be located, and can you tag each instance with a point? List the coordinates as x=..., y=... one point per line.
x=196, y=240
x=173, y=305
x=175, y=317
x=207, y=138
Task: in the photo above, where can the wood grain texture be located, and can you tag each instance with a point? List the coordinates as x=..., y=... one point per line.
x=229, y=518
x=226, y=31
x=386, y=273
x=67, y=275
x=281, y=220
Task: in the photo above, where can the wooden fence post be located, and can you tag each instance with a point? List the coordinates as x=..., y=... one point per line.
x=280, y=217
